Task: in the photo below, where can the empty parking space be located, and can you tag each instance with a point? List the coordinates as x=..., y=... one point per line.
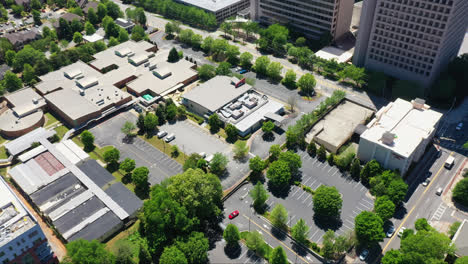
x=160, y=165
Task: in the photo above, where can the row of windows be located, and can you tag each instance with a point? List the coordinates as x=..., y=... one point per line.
x=399, y=64
x=410, y=37
x=417, y=59
x=421, y=3
x=385, y=30
x=415, y=17
x=405, y=30
x=299, y=8
x=404, y=19
x=294, y=16
x=412, y=45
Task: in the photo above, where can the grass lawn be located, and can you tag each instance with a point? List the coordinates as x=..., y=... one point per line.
x=351, y=148
x=266, y=249
x=119, y=175
x=50, y=119
x=2, y=140
x=61, y=130
x=221, y=132
x=129, y=235
x=3, y=171
x=165, y=148
x=3, y=153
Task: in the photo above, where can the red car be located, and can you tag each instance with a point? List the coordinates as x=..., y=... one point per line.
x=234, y=214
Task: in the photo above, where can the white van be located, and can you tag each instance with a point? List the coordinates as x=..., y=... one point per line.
x=449, y=162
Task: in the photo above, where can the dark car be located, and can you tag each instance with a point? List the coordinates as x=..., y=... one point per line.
x=234, y=214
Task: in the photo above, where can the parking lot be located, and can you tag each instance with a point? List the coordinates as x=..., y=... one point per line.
x=241, y=255
x=160, y=165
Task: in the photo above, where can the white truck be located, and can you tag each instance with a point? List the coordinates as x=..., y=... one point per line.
x=449, y=162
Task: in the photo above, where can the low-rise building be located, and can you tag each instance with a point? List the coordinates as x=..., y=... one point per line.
x=222, y=9
x=75, y=194
x=399, y=134
x=21, y=238
x=125, y=24
x=69, y=17
x=234, y=101
x=22, y=113
x=21, y=38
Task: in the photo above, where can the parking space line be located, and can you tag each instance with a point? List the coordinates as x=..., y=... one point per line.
x=320, y=184
x=290, y=219
x=347, y=226
x=329, y=169
x=313, y=234
x=241, y=256
x=357, y=184
x=307, y=197
x=310, y=178
x=364, y=200
x=363, y=187
x=366, y=206
x=315, y=160
x=311, y=201
x=295, y=191
x=301, y=195
x=355, y=213
x=335, y=173
x=349, y=221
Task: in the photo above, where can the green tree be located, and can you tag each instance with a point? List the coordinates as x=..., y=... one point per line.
x=278, y=256
x=321, y=153
x=64, y=31
x=144, y=256
x=206, y=72
x=312, y=148
x=261, y=65
x=422, y=224
x=240, y=149
x=268, y=127
x=196, y=41
x=397, y=190
x=141, y=122
x=93, y=17
x=460, y=192
x=327, y=202
x=300, y=231
x=214, y=122
x=231, y=235
x=29, y=76
x=138, y=33
x=170, y=28
x=279, y=216
x=36, y=17
x=127, y=165
x=5, y=47
x=224, y=68
x=292, y=159
x=307, y=83
x=289, y=79
x=175, y=151
x=453, y=229
x=123, y=35
x=426, y=247
x=171, y=111
x=199, y=192
x=128, y=128
x=257, y=165
x=226, y=27
x=173, y=55
x=231, y=132
x=218, y=164
x=111, y=29
x=88, y=140
x=77, y=38
x=83, y=252
x=384, y=207
x=89, y=28
x=392, y=256
x=11, y=82
x=111, y=156
x=140, y=179
x=274, y=71
x=151, y=121
x=185, y=36
x=355, y=169
x=195, y=248
x=300, y=41
x=232, y=54
x=462, y=260
x=331, y=159
x=371, y=169
x=279, y=173
x=275, y=151
x=10, y=57
x=207, y=44
x=254, y=241
x=172, y=255
x=191, y=161
x=259, y=196
x=245, y=60
x=124, y=253
x=369, y=228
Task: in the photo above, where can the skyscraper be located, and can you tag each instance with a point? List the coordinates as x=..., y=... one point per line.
x=410, y=39
x=313, y=18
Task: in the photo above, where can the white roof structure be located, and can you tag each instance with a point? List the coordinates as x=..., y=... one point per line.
x=259, y=114
x=24, y=142
x=408, y=124
x=329, y=53
x=93, y=38
x=210, y=5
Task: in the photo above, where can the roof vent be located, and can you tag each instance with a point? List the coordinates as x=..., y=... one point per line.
x=388, y=138
x=418, y=103
x=35, y=101
x=82, y=92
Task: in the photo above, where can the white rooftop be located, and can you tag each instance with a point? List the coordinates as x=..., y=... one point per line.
x=93, y=38
x=329, y=53
x=410, y=126
x=210, y=5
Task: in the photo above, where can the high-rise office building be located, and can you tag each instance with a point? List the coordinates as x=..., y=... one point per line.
x=313, y=18
x=410, y=39
x=21, y=237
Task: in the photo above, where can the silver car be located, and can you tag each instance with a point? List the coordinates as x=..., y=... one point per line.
x=161, y=134
x=169, y=138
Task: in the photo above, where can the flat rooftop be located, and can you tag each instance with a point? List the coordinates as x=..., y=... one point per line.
x=210, y=5
x=338, y=125
x=25, y=100
x=82, y=199
x=216, y=93
x=15, y=219
x=408, y=124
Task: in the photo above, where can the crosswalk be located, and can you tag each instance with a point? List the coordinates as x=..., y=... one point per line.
x=439, y=212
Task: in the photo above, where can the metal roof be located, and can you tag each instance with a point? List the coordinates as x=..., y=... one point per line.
x=123, y=196
x=24, y=142
x=99, y=228
x=96, y=172
x=210, y=5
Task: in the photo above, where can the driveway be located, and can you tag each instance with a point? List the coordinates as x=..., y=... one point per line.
x=160, y=165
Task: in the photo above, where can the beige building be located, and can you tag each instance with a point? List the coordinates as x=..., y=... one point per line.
x=410, y=39
x=222, y=9
x=313, y=18
x=399, y=134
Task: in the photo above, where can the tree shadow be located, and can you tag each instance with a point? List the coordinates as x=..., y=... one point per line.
x=400, y=211
x=89, y=149
x=128, y=139
x=279, y=191
x=127, y=178
x=326, y=223
x=112, y=167
x=299, y=249
x=233, y=251
x=278, y=233
x=268, y=137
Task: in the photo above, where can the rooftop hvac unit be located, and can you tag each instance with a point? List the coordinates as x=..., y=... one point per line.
x=147, y=64
x=35, y=101
x=388, y=138
x=131, y=54
x=82, y=92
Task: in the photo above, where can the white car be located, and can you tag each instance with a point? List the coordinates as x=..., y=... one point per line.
x=161, y=134
x=459, y=126
x=169, y=138
x=202, y=154
x=439, y=191
x=400, y=233
x=364, y=255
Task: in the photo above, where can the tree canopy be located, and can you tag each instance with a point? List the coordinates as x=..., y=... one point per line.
x=83, y=252
x=279, y=173
x=327, y=202
x=368, y=227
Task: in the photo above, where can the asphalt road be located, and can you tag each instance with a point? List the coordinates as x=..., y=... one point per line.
x=160, y=165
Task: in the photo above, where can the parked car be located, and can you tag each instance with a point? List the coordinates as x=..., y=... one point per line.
x=242, y=71
x=459, y=126
x=137, y=108
x=234, y=214
x=400, y=233
x=169, y=138
x=390, y=231
x=426, y=182
x=364, y=255
x=439, y=191
x=202, y=154
x=161, y=134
